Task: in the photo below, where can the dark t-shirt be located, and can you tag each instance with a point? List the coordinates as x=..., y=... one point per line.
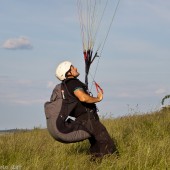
x=74, y=84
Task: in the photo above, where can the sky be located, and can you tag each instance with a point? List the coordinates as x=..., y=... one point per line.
x=35, y=36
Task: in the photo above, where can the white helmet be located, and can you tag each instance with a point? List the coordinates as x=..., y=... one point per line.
x=62, y=70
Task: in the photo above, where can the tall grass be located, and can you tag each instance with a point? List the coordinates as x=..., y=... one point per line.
x=143, y=142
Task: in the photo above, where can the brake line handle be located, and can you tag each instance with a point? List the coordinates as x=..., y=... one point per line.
x=98, y=88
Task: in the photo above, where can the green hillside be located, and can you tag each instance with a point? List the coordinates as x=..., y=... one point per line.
x=143, y=142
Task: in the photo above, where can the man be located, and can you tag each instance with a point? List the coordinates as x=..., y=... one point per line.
x=85, y=111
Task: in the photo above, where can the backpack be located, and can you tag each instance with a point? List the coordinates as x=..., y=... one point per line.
x=57, y=111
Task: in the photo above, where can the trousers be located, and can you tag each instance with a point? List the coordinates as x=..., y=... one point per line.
x=100, y=140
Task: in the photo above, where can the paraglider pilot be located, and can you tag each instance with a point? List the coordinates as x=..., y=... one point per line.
x=85, y=111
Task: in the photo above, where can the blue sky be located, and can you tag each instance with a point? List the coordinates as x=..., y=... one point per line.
x=37, y=35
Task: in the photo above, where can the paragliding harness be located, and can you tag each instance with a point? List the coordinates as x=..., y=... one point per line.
x=60, y=124
x=59, y=98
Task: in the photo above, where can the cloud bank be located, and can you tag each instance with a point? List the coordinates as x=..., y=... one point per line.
x=22, y=91
x=17, y=43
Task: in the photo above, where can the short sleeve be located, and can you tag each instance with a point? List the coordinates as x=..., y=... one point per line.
x=73, y=85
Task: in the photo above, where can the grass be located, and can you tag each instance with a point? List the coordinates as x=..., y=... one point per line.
x=143, y=142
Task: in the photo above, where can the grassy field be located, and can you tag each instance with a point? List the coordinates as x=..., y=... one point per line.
x=143, y=142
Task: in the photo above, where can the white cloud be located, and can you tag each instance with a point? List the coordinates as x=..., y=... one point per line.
x=22, y=91
x=51, y=85
x=125, y=95
x=17, y=43
x=160, y=9
x=160, y=91
x=29, y=101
